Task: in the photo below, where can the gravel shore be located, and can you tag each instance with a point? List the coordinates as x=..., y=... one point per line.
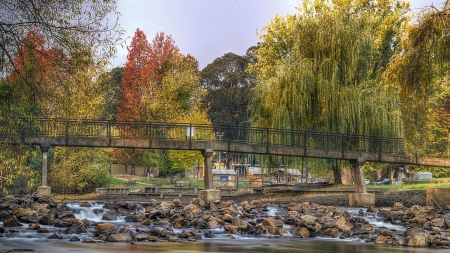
x=383, y=198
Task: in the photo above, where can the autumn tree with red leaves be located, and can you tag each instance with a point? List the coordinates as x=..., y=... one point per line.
x=159, y=84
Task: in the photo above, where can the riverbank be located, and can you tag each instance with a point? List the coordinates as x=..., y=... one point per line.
x=383, y=198
x=132, y=219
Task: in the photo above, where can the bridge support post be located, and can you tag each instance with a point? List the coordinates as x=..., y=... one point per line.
x=360, y=197
x=209, y=194
x=44, y=190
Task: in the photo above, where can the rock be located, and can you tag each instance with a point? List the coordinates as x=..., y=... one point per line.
x=212, y=223
x=55, y=236
x=105, y=229
x=294, y=213
x=75, y=229
x=398, y=206
x=412, y=231
x=343, y=224
x=304, y=232
x=209, y=234
x=91, y=240
x=331, y=232
x=371, y=209
x=74, y=239
x=166, y=205
x=226, y=217
x=173, y=239
x=438, y=222
x=11, y=222
x=110, y=215
x=177, y=203
x=229, y=228
x=417, y=209
x=141, y=236
x=192, y=208
x=386, y=232
x=308, y=219
x=152, y=238
x=35, y=226
x=418, y=240
x=63, y=223
x=135, y=218
x=119, y=237
x=304, y=205
x=86, y=204
x=384, y=209
x=381, y=240
x=272, y=230
x=198, y=202
x=225, y=204
x=43, y=230
x=241, y=224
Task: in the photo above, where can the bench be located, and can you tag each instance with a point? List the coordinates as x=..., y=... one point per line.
x=131, y=183
x=182, y=184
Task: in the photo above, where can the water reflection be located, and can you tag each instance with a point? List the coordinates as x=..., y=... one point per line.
x=213, y=246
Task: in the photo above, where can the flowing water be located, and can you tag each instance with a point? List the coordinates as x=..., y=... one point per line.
x=40, y=243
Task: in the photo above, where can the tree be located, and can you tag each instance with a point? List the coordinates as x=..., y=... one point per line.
x=75, y=27
x=228, y=88
x=158, y=84
x=327, y=77
x=421, y=72
x=111, y=83
x=321, y=69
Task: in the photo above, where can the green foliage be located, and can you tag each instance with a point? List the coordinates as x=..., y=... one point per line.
x=228, y=90
x=78, y=170
x=15, y=167
x=421, y=73
x=323, y=71
x=110, y=86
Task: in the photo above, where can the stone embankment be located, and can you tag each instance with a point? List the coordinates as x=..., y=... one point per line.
x=174, y=221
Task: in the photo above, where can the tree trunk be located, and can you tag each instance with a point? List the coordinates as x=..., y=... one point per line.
x=337, y=173
x=133, y=169
x=169, y=179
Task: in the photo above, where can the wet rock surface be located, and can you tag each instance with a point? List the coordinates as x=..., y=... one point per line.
x=272, y=216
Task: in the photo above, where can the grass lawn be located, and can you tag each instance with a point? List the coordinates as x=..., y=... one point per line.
x=143, y=182
x=409, y=186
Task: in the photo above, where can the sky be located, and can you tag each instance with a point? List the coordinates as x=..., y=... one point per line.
x=207, y=29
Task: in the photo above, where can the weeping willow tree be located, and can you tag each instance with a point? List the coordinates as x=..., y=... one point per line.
x=421, y=72
x=321, y=69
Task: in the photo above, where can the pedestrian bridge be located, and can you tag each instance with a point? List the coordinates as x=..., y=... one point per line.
x=208, y=138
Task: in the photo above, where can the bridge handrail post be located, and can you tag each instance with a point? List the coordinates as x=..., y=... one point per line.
x=305, y=142
x=379, y=147
x=67, y=132
x=190, y=135
x=267, y=140
x=343, y=145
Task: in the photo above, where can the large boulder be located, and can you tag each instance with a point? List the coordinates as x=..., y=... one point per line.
x=304, y=232
x=119, y=237
x=105, y=229
x=418, y=240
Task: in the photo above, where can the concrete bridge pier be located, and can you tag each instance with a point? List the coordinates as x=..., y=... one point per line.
x=44, y=190
x=360, y=197
x=209, y=194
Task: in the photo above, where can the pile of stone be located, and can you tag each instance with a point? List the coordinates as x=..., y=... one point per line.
x=174, y=221
x=426, y=226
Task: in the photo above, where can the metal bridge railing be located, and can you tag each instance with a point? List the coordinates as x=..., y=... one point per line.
x=198, y=132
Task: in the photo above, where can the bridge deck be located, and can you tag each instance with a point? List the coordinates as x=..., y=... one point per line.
x=90, y=133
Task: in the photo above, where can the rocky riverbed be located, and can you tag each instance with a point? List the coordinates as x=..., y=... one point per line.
x=267, y=216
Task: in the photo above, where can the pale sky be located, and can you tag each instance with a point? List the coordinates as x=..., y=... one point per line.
x=207, y=29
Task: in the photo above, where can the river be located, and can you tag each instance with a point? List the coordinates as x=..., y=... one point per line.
x=39, y=242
